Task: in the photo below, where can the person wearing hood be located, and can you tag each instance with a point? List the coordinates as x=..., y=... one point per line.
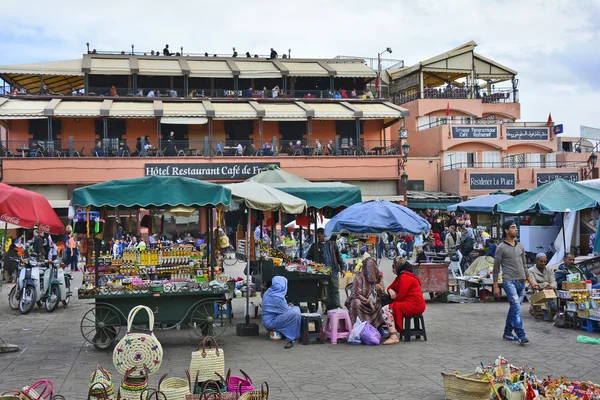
x=365, y=300
x=407, y=299
x=277, y=314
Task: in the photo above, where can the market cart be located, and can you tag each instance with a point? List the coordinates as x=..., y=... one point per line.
x=177, y=283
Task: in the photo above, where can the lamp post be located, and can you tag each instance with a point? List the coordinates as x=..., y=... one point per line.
x=289, y=53
x=402, y=188
x=181, y=48
x=387, y=50
x=589, y=171
x=88, y=46
x=132, y=49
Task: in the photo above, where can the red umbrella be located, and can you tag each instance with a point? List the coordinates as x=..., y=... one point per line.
x=28, y=210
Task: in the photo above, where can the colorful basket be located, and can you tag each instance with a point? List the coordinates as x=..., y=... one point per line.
x=235, y=383
x=133, y=387
x=173, y=388
x=205, y=363
x=138, y=350
x=101, y=384
x=40, y=390
x=211, y=391
x=257, y=394
x=466, y=387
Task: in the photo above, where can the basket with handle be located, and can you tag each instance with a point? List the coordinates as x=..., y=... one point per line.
x=133, y=386
x=40, y=390
x=205, y=362
x=210, y=391
x=105, y=387
x=138, y=350
x=197, y=386
x=235, y=382
x=7, y=396
x=472, y=386
x=173, y=388
x=257, y=394
x=153, y=394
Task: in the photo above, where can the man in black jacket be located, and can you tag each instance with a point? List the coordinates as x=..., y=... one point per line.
x=38, y=245
x=328, y=253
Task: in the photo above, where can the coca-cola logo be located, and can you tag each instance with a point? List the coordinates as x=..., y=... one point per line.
x=44, y=228
x=10, y=220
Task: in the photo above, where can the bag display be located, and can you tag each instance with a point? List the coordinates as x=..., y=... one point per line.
x=133, y=387
x=173, y=388
x=101, y=384
x=370, y=336
x=205, y=362
x=358, y=327
x=138, y=350
x=40, y=390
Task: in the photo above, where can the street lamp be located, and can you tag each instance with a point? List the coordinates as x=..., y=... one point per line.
x=88, y=46
x=132, y=51
x=593, y=159
x=404, y=178
x=387, y=50
x=405, y=149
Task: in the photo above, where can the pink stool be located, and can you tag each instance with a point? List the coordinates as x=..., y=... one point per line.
x=337, y=325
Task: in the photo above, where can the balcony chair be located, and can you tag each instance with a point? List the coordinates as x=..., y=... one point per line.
x=242, y=153
x=78, y=153
x=181, y=153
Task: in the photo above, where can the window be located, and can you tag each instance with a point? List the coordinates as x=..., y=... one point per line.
x=471, y=160
x=491, y=159
x=417, y=186
x=38, y=128
x=239, y=129
x=347, y=129
x=542, y=161
x=115, y=128
x=292, y=131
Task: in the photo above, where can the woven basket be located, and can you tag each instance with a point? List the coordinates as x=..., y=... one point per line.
x=210, y=391
x=173, y=388
x=257, y=394
x=205, y=363
x=101, y=384
x=40, y=390
x=466, y=387
x=6, y=397
x=138, y=350
x=133, y=387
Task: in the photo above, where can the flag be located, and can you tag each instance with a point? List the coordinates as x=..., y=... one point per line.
x=558, y=129
x=377, y=82
x=448, y=110
x=550, y=122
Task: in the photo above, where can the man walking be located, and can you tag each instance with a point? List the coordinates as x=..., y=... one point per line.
x=328, y=253
x=511, y=256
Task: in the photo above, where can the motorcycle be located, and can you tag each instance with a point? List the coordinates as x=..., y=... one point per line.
x=15, y=293
x=56, y=286
x=28, y=284
x=391, y=252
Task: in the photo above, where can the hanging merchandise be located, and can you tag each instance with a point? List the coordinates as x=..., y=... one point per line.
x=223, y=239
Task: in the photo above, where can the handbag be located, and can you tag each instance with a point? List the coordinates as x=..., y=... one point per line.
x=40, y=390
x=101, y=384
x=133, y=387
x=386, y=299
x=262, y=394
x=235, y=382
x=205, y=362
x=138, y=350
x=210, y=391
x=173, y=388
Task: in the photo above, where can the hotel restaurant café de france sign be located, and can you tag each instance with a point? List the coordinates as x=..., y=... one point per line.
x=205, y=171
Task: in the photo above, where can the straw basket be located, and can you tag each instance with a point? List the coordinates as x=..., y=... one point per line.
x=6, y=397
x=466, y=387
x=174, y=388
x=257, y=394
x=40, y=390
x=205, y=362
x=101, y=384
x=133, y=387
x=138, y=350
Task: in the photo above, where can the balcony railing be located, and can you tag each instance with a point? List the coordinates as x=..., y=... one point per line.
x=115, y=147
x=516, y=163
x=504, y=95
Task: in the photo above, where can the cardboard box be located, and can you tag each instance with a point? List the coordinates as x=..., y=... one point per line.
x=583, y=313
x=542, y=296
x=573, y=286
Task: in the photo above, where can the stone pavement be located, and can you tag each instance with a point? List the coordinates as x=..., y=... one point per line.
x=460, y=337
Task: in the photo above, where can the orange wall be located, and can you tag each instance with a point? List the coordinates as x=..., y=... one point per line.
x=424, y=169
x=323, y=130
x=18, y=132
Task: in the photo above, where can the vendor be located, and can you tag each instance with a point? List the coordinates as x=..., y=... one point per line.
x=277, y=314
x=407, y=299
x=328, y=253
x=365, y=300
x=545, y=278
x=569, y=267
x=451, y=241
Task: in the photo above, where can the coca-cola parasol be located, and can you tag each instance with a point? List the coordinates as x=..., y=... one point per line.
x=28, y=210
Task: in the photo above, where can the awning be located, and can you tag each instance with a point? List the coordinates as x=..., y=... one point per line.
x=61, y=77
x=183, y=120
x=304, y=68
x=380, y=110
x=209, y=69
x=425, y=205
x=22, y=109
x=59, y=203
x=258, y=69
x=110, y=66
x=283, y=112
x=352, y=70
x=65, y=67
x=234, y=111
x=78, y=109
x=433, y=200
x=192, y=109
x=129, y=109
x=331, y=111
x=160, y=66
x=388, y=198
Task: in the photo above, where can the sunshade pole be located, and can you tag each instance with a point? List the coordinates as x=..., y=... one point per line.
x=249, y=212
x=565, y=251
x=211, y=245
x=4, y=237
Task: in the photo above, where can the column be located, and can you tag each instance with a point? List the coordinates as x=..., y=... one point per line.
x=421, y=85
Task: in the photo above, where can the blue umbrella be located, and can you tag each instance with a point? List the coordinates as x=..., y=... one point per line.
x=482, y=204
x=377, y=216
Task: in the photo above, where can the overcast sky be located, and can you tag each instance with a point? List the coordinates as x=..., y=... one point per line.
x=554, y=45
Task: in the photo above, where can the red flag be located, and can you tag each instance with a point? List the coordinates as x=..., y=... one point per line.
x=377, y=83
x=550, y=122
x=448, y=110
x=529, y=393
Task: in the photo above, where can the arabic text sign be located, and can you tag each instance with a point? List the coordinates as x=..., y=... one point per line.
x=474, y=132
x=207, y=171
x=492, y=181
x=527, y=133
x=545, y=177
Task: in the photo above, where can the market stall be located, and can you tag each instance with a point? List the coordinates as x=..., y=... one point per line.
x=181, y=285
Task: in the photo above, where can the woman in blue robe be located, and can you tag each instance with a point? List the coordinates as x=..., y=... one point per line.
x=277, y=314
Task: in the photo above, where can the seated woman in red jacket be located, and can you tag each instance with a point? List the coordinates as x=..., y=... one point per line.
x=407, y=299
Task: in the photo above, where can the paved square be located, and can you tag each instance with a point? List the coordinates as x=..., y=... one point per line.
x=460, y=337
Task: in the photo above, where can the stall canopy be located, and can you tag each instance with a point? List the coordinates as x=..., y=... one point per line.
x=316, y=194
x=265, y=198
x=482, y=204
x=557, y=196
x=377, y=216
x=22, y=208
x=152, y=191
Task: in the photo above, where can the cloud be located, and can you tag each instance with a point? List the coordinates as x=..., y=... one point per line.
x=553, y=45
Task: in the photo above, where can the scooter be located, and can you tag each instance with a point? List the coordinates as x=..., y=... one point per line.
x=29, y=284
x=56, y=286
x=391, y=252
x=15, y=293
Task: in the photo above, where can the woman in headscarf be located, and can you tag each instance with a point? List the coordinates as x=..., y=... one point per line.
x=277, y=314
x=365, y=300
x=407, y=299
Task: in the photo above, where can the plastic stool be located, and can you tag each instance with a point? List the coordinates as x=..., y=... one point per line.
x=305, y=332
x=337, y=325
x=228, y=311
x=589, y=325
x=417, y=330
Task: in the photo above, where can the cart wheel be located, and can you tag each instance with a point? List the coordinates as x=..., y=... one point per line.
x=101, y=326
x=204, y=323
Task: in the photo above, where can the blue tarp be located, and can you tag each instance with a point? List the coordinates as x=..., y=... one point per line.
x=482, y=204
x=377, y=216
